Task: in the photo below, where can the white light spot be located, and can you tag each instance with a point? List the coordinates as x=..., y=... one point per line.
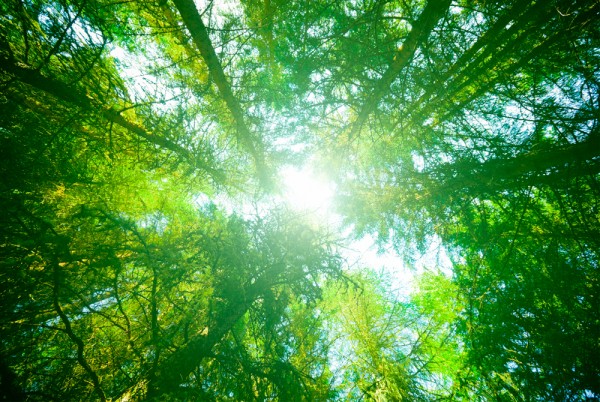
x=303, y=190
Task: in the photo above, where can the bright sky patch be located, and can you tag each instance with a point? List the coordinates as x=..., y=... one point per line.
x=305, y=191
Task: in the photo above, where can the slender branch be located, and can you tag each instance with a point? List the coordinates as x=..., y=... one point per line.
x=74, y=338
x=25, y=24
x=128, y=332
x=62, y=37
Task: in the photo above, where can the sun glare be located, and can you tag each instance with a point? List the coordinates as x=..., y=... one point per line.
x=303, y=190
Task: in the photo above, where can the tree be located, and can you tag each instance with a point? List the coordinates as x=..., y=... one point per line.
x=388, y=349
x=117, y=287
x=505, y=171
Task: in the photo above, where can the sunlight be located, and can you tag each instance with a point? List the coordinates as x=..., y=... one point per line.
x=305, y=191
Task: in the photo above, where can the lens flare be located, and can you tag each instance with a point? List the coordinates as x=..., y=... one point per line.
x=303, y=190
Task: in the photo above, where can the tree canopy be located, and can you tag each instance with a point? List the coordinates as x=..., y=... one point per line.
x=147, y=251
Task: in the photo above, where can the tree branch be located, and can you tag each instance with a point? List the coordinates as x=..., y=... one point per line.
x=74, y=338
x=69, y=94
x=194, y=24
x=176, y=369
x=434, y=10
x=545, y=165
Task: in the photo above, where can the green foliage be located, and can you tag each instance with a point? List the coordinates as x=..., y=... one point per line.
x=387, y=349
x=136, y=136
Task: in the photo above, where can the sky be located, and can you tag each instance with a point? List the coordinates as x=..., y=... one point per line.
x=307, y=191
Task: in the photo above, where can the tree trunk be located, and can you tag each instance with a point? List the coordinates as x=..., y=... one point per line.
x=177, y=368
x=193, y=22
x=434, y=10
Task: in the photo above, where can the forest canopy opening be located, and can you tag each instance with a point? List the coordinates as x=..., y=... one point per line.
x=194, y=197
x=307, y=191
